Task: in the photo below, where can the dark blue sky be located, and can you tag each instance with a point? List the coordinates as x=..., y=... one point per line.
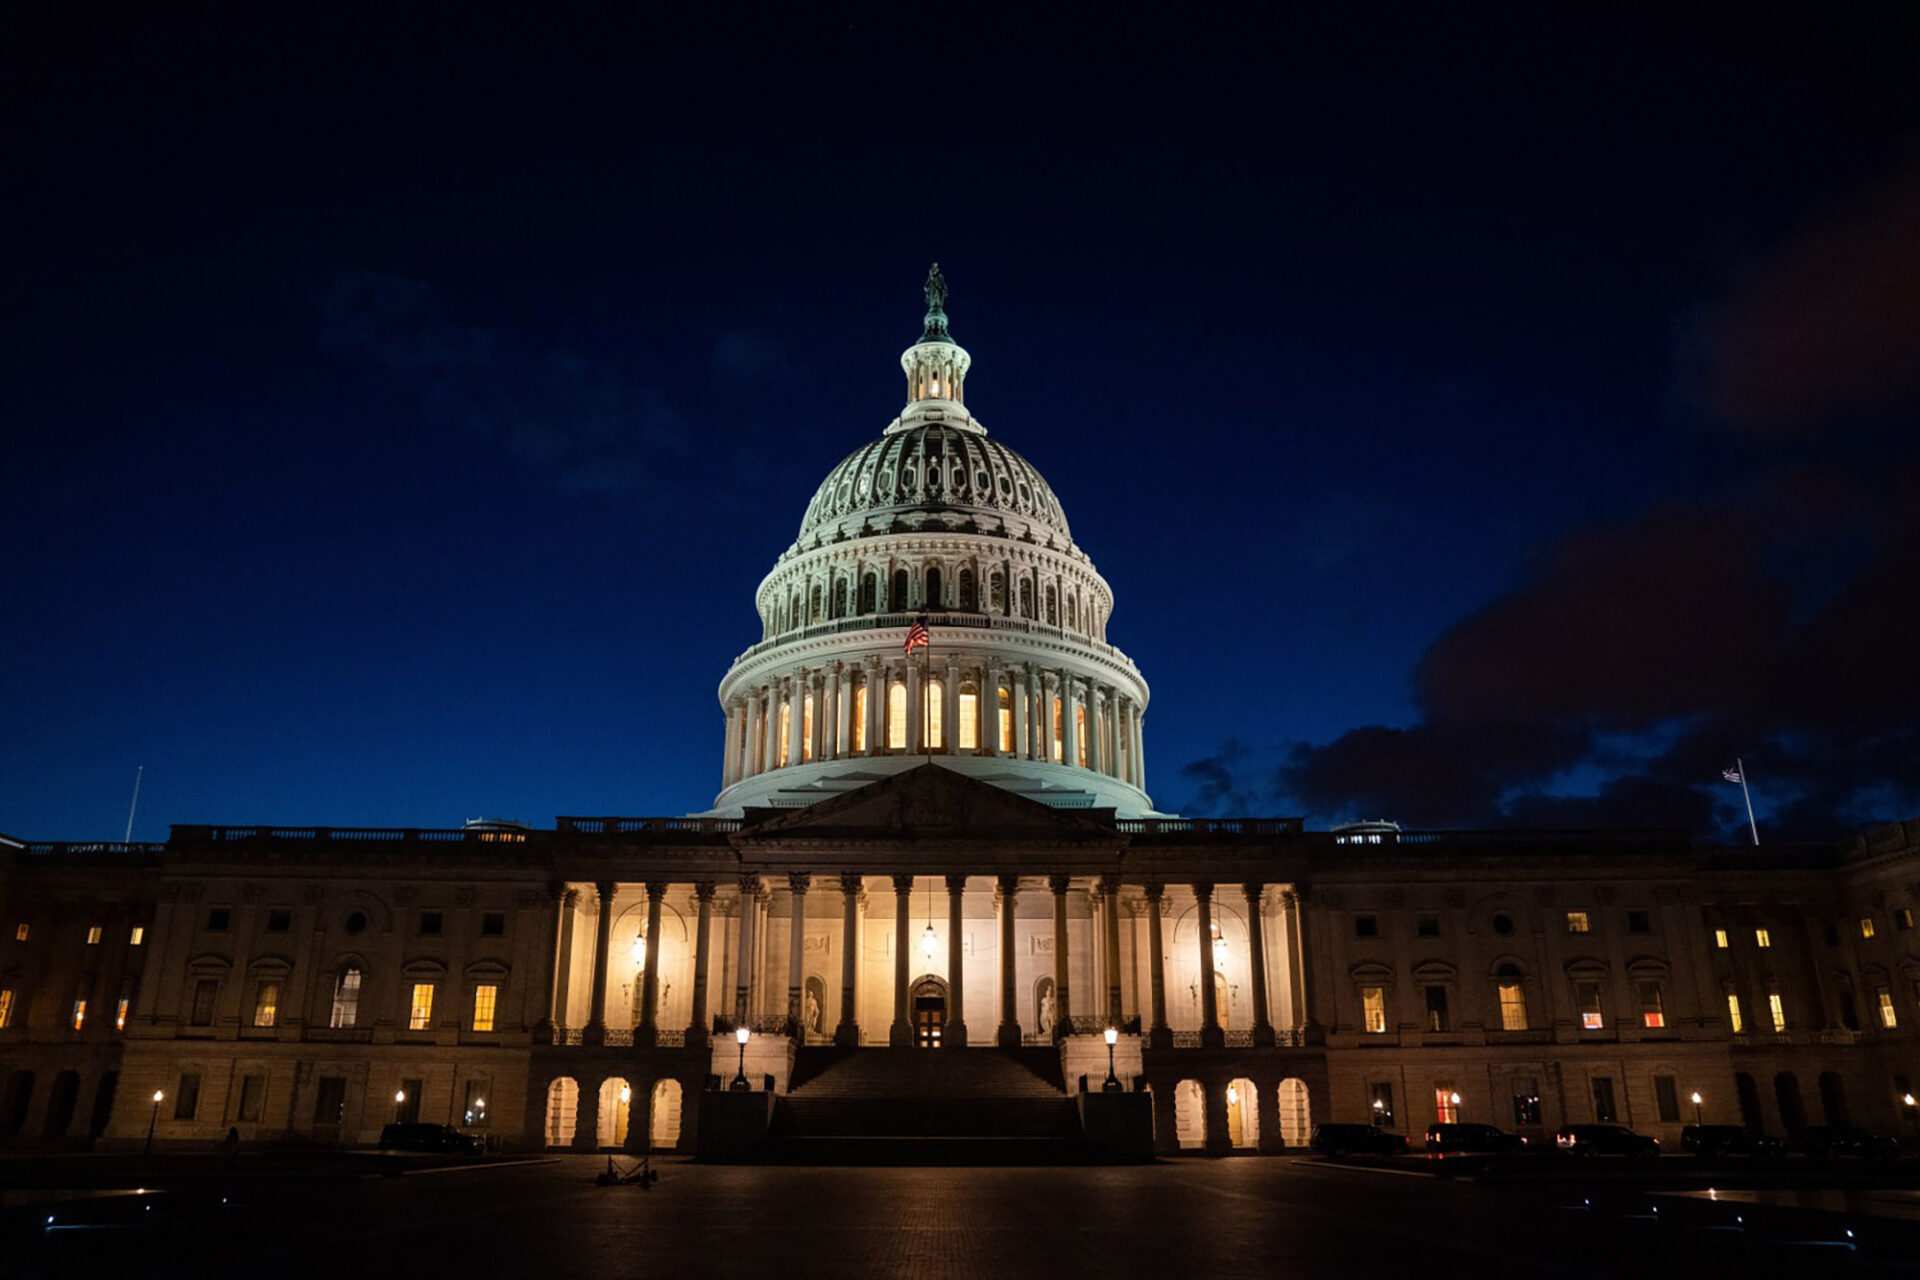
x=1485, y=419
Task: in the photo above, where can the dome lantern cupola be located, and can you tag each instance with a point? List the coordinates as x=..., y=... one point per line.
x=936, y=366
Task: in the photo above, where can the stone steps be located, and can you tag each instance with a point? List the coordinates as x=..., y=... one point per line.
x=927, y=1073
x=799, y=1117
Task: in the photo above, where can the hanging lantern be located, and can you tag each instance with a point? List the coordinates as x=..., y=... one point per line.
x=1219, y=949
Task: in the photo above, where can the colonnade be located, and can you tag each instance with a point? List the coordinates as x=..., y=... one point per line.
x=896, y=706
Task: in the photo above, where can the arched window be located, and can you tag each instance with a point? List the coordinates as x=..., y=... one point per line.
x=1026, y=597
x=968, y=729
x=869, y=593
x=1053, y=605
x=935, y=598
x=346, y=998
x=1006, y=720
x=935, y=714
x=897, y=716
x=897, y=598
x=1073, y=610
x=968, y=602
x=1512, y=993
x=839, y=597
x=858, y=719
x=997, y=584
x=793, y=609
x=813, y=605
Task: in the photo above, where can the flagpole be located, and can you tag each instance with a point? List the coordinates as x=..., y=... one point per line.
x=134, y=804
x=926, y=696
x=1752, y=826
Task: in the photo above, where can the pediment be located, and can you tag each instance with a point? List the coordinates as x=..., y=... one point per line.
x=930, y=803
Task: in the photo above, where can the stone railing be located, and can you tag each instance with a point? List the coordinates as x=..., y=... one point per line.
x=628, y=826
x=671, y=1039
x=1210, y=826
x=1239, y=1039
x=936, y=619
x=57, y=847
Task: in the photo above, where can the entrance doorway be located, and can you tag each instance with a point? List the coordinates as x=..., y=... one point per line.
x=929, y=1013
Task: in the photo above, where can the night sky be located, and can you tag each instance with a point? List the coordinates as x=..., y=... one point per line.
x=1482, y=420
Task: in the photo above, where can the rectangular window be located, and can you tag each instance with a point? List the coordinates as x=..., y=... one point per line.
x=330, y=1101
x=1526, y=1100
x=1734, y=1017
x=346, y=999
x=6, y=1006
x=186, y=1098
x=1577, y=922
x=493, y=924
x=1437, y=1009
x=1666, y=1099
x=1382, y=1106
x=786, y=721
x=1592, y=1015
x=1427, y=927
x=1080, y=735
x=406, y=1107
x=1373, y=1007
x=1059, y=755
x=1903, y=919
x=21, y=932
x=1639, y=922
x=205, y=992
x=484, y=998
x=266, y=1004
x=79, y=1014
x=857, y=722
x=1778, y=1010
x=969, y=728
x=806, y=728
x=420, y=1009
x=1603, y=1112
x=279, y=920
x=120, y=1014
x=475, y=1113
x=1866, y=926
x=1653, y=1011
x=1720, y=939
x=1366, y=926
x=896, y=717
x=1446, y=1105
x=136, y=935
x=94, y=933
x=431, y=923
x=1513, y=1007
x=253, y=1093
x=1883, y=1001
x=1762, y=939
x=934, y=728
x=219, y=919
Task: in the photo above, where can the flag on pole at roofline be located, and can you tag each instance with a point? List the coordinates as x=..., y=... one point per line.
x=1733, y=775
x=917, y=637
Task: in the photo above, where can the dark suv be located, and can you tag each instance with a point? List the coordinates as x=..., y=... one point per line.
x=430, y=1137
x=1356, y=1140
x=1474, y=1139
x=1604, y=1140
x=1841, y=1142
x=1712, y=1141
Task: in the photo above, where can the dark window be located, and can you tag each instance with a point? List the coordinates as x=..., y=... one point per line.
x=407, y=1109
x=205, y=992
x=356, y=922
x=1666, y=1097
x=253, y=1089
x=330, y=1102
x=279, y=920
x=1437, y=1009
x=1427, y=926
x=1383, y=1105
x=1639, y=922
x=936, y=597
x=1526, y=1100
x=1366, y=927
x=1603, y=1100
x=1503, y=924
x=218, y=919
x=1832, y=933
x=430, y=922
x=186, y=1099
x=897, y=601
x=493, y=924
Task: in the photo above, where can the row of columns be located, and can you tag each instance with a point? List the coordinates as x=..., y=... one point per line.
x=1035, y=696
x=1008, y=1033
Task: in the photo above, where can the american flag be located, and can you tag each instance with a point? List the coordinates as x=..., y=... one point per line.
x=1732, y=775
x=917, y=637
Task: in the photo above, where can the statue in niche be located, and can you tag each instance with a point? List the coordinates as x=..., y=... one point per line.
x=813, y=1007
x=1046, y=1008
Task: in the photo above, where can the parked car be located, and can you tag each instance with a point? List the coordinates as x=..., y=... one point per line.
x=430, y=1137
x=1604, y=1140
x=1474, y=1139
x=1356, y=1140
x=1843, y=1142
x=1716, y=1140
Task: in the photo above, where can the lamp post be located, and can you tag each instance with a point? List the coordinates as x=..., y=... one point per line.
x=740, y=1084
x=1696, y=1106
x=153, y=1120
x=1112, y=1083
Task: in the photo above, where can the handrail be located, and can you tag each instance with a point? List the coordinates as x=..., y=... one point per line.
x=933, y=618
x=56, y=847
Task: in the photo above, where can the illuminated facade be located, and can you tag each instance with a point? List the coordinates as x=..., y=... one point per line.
x=953, y=855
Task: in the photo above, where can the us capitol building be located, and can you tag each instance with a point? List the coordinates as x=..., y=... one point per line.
x=931, y=886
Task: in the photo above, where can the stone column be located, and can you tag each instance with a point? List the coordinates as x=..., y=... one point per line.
x=901, y=1034
x=743, y=991
x=1017, y=686
x=700, y=1025
x=817, y=695
x=1219, y=1141
x=950, y=712
x=796, y=716
x=848, y=1032
x=797, y=882
x=749, y=756
x=1110, y=888
x=1069, y=721
x=1292, y=912
x=954, y=1035
x=770, y=728
x=916, y=699
x=1211, y=1036
x=727, y=741
x=562, y=966
x=1009, y=1037
x=1159, y=1034
x=827, y=714
x=596, y=1030
x=1257, y=964
x=842, y=712
x=648, y=1032
x=1062, y=1002
x=876, y=708
x=1139, y=749
x=1096, y=748
x=990, y=711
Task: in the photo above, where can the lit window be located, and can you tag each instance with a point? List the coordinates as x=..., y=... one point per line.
x=1720, y=939
x=1577, y=922
x=786, y=724
x=93, y=935
x=1592, y=1017
x=1446, y=1104
x=806, y=728
x=484, y=998
x=1761, y=938
x=1866, y=926
x=1513, y=1006
x=1373, y=1005
x=1653, y=1012
x=969, y=728
x=346, y=999
x=1059, y=755
x=120, y=1014
x=936, y=715
x=1903, y=918
x=1778, y=1010
x=1080, y=735
x=137, y=935
x=859, y=717
x=1883, y=1000
x=79, y=1014
x=6, y=1006
x=1734, y=1018
x=20, y=932
x=897, y=716
x=266, y=1005
x=420, y=1010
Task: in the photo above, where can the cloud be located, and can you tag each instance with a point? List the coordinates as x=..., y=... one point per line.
x=1222, y=787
